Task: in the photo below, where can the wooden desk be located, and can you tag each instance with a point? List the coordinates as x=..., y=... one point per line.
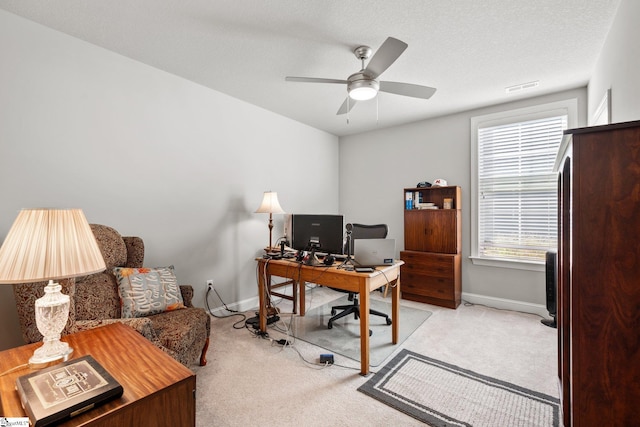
x=158, y=391
x=362, y=283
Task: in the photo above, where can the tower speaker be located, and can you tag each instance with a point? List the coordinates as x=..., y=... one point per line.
x=551, y=287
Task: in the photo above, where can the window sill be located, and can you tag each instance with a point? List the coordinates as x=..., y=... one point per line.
x=501, y=263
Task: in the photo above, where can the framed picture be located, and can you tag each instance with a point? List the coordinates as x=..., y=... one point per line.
x=65, y=390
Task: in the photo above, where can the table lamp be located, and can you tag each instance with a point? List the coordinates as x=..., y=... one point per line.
x=49, y=244
x=270, y=205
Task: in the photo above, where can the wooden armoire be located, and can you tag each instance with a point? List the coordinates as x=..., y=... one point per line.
x=599, y=275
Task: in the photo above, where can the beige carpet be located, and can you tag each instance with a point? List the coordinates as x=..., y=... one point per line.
x=252, y=382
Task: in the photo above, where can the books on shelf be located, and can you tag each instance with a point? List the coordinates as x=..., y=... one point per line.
x=427, y=205
x=65, y=390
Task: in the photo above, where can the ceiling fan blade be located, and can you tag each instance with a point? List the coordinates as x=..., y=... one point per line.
x=386, y=55
x=407, y=89
x=313, y=80
x=346, y=106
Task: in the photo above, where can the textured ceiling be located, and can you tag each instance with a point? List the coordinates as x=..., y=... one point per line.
x=470, y=50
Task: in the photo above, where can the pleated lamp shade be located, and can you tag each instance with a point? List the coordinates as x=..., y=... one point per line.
x=270, y=203
x=49, y=244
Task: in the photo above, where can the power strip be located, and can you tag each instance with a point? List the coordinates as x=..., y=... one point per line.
x=255, y=321
x=326, y=359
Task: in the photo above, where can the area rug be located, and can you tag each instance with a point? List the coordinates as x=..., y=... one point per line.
x=444, y=395
x=344, y=337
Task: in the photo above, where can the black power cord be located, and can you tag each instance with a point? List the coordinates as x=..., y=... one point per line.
x=233, y=312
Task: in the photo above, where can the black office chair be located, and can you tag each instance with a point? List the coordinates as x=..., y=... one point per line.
x=358, y=231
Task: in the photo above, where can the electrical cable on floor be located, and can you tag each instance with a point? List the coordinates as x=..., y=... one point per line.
x=233, y=312
x=312, y=365
x=257, y=333
x=290, y=340
x=471, y=304
x=287, y=342
x=319, y=366
x=285, y=328
x=223, y=303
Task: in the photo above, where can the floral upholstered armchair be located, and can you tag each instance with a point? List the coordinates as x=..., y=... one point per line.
x=170, y=321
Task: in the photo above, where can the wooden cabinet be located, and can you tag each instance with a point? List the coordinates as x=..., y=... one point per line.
x=599, y=275
x=433, y=244
x=432, y=231
x=158, y=391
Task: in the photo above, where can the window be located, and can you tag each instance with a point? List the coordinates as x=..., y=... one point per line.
x=514, y=195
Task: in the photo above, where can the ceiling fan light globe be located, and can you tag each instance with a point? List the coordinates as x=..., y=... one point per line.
x=363, y=93
x=363, y=90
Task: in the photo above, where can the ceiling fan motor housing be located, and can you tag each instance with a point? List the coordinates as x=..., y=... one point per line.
x=362, y=87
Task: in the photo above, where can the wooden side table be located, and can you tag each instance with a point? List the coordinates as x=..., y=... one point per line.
x=158, y=391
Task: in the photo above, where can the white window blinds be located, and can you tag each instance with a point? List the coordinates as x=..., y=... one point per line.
x=517, y=189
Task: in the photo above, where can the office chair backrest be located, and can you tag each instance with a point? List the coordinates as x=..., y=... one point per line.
x=364, y=231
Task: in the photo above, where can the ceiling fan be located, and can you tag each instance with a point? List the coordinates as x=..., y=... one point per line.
x=364, y=84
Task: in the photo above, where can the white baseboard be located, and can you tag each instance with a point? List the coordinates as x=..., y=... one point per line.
x=240, y=306
x=507, y=304
x=245, y=305
x=250, y=304
x=495, y=302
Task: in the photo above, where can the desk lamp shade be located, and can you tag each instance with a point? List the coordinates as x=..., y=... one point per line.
x=49, y=244
x=270, y=205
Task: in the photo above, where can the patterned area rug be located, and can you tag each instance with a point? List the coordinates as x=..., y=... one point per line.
x=445, y=395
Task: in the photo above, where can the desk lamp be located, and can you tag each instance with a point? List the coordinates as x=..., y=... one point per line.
x=49, y=244
x=270, y=205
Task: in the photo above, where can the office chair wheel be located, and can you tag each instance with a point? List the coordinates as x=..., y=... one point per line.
x=388, y=321
x=370, y=332
x=330, y=325
x=333, y=313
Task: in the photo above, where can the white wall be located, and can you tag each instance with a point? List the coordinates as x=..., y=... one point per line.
x=618, y=67
x=376, y=166
x=150, y=154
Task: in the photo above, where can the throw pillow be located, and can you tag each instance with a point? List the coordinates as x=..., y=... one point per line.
x=147, y=291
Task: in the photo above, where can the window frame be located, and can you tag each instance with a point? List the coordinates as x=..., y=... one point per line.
x=568, y=107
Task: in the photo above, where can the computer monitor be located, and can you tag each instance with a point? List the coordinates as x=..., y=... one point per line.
x=324, y=233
